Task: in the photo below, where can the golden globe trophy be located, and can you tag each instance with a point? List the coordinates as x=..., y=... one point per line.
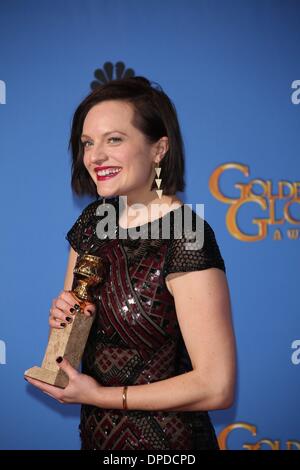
x=70, y=341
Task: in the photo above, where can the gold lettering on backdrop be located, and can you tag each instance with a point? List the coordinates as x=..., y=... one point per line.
x=277, y=235
x=272, y=444
x=262, y=194
x=293, y=233
x=292, y=445
x=223, y=436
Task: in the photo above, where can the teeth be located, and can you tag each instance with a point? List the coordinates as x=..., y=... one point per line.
x=108, y=172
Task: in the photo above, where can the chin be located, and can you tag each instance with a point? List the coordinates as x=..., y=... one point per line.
x=107, y=194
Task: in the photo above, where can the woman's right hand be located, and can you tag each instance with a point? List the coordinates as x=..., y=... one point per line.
x=64, y=307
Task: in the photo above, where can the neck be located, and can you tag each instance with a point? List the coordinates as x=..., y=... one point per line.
x=148, y=200
x=154, y=208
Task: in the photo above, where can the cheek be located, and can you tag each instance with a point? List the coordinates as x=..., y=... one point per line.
x=86, y=164
x=137, y=160
x=85, y=161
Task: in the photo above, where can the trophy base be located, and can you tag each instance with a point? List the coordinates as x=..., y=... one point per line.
x=52, y=377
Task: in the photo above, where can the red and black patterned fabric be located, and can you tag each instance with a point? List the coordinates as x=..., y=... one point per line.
x=135, y=338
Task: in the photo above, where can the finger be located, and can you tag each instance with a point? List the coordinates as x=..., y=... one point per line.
x=50, y=395
x=55, y=323
x=59, y=315
x=89, y=309
x=69, y=298
x=65, y=365
x=65, y=306
x=55, y=392
x=65, y=301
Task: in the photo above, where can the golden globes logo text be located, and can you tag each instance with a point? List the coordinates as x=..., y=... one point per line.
x=284, y=192
x=264, y=443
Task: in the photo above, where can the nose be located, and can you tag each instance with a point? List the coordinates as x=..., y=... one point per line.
x=97, y=155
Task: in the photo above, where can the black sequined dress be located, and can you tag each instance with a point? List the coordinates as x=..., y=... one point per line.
x=135, y=338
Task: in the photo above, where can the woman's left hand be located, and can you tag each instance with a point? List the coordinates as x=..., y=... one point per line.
x=81, y=388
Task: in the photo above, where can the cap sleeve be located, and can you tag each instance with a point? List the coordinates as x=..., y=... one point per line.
x=76, y=233
x=183, y=255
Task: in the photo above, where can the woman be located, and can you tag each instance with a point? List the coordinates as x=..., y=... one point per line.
x=161, y=352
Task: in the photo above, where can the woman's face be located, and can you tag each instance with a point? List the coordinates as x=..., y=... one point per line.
x=117, y=155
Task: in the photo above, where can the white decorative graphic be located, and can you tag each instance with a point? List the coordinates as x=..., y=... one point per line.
x=2, y=352
x=2, y=92
x=295, y=358
x=295, y=97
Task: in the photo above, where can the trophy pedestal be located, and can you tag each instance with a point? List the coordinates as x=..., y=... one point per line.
x=50, y=377
x=69, y=343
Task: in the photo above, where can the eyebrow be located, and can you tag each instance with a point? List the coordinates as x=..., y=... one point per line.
x=106, y=133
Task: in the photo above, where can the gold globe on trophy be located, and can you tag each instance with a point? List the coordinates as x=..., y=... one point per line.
x=70, y=341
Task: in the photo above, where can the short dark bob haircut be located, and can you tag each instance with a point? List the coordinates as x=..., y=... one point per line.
x=154, y=115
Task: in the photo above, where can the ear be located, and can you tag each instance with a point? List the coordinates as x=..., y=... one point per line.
x=161, y=148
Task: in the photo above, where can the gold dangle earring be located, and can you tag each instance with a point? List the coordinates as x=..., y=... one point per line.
x=158, y=181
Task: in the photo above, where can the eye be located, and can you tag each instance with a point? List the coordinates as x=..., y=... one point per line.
x=115, y=139
x=85, y=142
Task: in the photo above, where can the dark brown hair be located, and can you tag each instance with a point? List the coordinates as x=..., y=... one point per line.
x=154, y=115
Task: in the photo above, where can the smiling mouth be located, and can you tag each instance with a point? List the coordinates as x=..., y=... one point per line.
x=107, y=174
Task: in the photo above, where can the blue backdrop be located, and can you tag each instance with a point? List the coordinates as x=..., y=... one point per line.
x=232, y=69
